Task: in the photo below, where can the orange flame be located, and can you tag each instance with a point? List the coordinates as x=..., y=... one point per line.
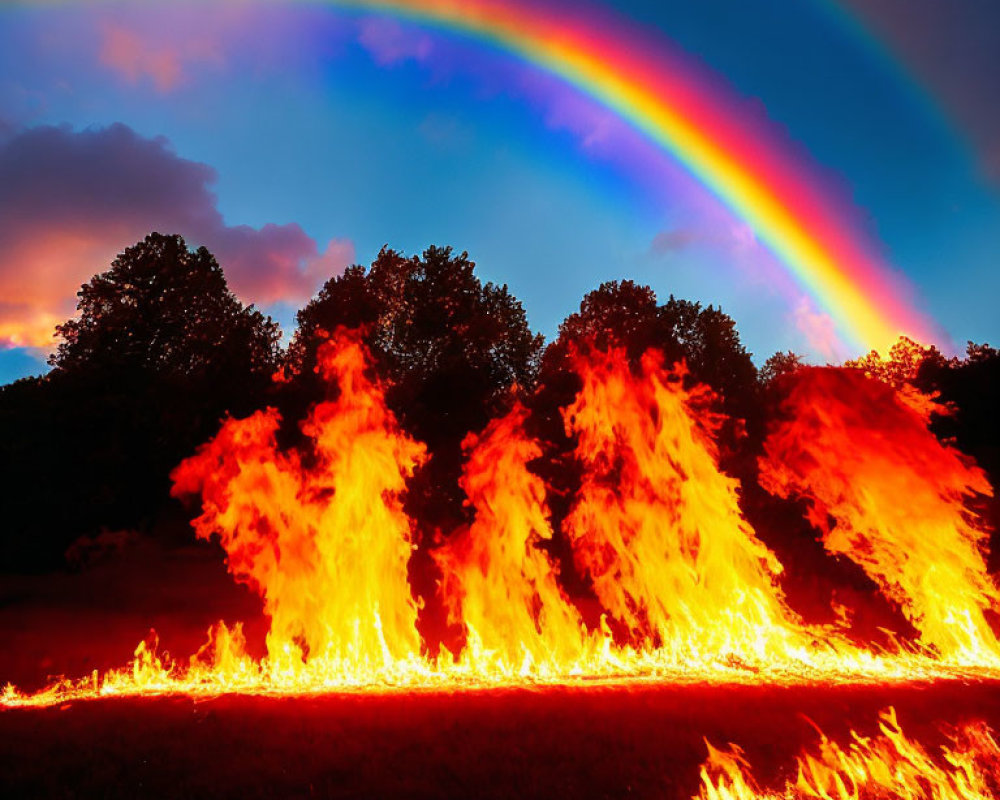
x=861, y=454
x=320, y=533
x=496, y=581
x=658, y=527
x=889, y=765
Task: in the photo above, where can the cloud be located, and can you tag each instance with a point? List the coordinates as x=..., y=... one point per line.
x=71, y=200
x=732, y=237
x=819, y=331
x=138, y=54
x=390, y=43
x=598, y=130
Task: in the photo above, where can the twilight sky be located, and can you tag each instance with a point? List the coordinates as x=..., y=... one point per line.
x=295, y=138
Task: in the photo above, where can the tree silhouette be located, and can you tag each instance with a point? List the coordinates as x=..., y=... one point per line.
x=160, y=352
x=899, y=367
x=449, y=347
x=626, y=314
x=164, y=309
x=781, y=363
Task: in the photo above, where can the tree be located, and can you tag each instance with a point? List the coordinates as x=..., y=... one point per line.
x=626, y=314
x=778, y=365
x=900, y=366
x=165, y=310
x=159, y=353
x=970, y=390
x=448, y=346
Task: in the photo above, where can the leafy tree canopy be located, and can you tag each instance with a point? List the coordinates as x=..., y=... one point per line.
x=781, y=363
x=900, y=366
x=160, y=352
x=626, y=314
x=450, y=348
x=164, y=309
x=449, y=345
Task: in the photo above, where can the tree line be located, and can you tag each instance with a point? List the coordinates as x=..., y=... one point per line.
x=161, y=351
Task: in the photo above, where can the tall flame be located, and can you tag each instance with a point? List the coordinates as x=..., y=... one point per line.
x=497, y=582
x=320, y=535
x=887, y=494
x=689, y=591
x=657, y=525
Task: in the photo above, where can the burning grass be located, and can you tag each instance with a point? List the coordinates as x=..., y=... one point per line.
x=645, y=741
x=689, y=593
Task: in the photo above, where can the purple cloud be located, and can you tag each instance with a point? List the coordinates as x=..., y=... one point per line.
x=390, y=43
x=70, y=200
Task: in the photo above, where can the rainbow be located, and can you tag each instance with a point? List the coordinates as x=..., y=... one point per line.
x=698, y=123
x=744, y=163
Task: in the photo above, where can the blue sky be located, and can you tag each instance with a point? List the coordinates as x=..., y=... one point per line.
x=293, y=139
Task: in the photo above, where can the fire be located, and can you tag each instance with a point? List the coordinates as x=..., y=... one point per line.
x=687, y=589
x=496, y=582
x=888, y=765
x=321, y=535
x=887, y=494
x=657, y=525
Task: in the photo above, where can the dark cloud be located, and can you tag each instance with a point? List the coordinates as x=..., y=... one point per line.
x=70, y=200
x=673, y=241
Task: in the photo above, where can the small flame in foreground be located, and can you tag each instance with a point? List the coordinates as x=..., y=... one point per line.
x=692, y=593
x=889, y=765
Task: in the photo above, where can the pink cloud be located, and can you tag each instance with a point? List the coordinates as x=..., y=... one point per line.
x=819, y=330
x=148, y=54
x=71, y=200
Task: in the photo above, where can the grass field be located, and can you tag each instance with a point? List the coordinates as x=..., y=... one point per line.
x=599, y=741
x=595, y=742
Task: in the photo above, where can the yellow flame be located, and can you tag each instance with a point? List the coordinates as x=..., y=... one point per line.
x=889, y=765
x=688, y=589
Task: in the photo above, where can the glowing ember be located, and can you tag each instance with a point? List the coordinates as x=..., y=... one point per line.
x=889, y=765
x=319, y=531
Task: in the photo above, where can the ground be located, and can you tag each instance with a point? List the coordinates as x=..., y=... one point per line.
x=600, y=741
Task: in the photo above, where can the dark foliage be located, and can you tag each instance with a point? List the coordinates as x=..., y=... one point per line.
x=448, y=346
x=970, y=387
x=627, y=315
x=164, y=310
x=160, y=352
x=777, y=366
